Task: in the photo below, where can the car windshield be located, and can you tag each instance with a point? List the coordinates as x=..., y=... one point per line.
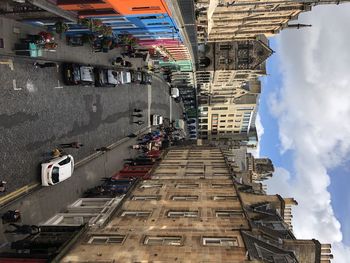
x=65, y=161
x=55, y=174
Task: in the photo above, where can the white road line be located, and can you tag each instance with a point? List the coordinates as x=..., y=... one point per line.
x=14, y=85
x=58, y=85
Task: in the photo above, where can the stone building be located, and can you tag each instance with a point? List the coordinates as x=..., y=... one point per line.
x=226, y=20
x=232, y=62
x=192, y=210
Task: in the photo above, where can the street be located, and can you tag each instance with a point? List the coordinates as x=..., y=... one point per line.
x=38, y=112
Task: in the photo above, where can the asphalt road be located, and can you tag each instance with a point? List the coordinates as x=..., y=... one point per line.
x=37, y=113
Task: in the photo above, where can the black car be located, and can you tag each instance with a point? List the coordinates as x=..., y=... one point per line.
x=76, y=74
x=136, y=76
x=147, y=78
x=191, y=127
x=106, y=77
x=191, y=121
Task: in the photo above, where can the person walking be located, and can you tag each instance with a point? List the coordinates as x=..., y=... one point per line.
x=102, y=149
x=138, y=115
x=2, y=186
x=45, y=65
x=139, y=122
x=137, y=110
x=76, y=145
x=11, y=216
x=56, y=153
x=23, y=229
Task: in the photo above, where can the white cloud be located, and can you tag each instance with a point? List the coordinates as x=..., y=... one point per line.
x=260, y=131
x=313, y=111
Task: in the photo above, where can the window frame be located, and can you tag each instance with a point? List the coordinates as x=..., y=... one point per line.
x=107, y=237
x=222, y=241
x=165, y=240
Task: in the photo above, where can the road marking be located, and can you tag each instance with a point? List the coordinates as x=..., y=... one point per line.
x=58, y=85
x=15, y=194
x=14, y=85
x=8, y=62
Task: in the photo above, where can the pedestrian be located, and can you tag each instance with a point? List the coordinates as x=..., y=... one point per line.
x=45, y=65
x=11, y=216
x=102, y=149
x=138, y=115
x=56, y=153
x=24, y=229
x=76, y=145
x=132, y=135
x=137, y=110
x=2, y=186
x=139, y=122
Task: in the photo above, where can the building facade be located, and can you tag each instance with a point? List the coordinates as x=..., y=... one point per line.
x=226, y=20
x=193, y=210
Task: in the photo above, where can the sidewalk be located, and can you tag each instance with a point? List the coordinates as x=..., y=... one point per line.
x=11, y=31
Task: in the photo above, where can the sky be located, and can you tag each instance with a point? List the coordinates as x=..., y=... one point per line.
x=304, y=123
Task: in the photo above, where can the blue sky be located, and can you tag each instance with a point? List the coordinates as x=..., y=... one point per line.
x=270, y=145
x=305, y=114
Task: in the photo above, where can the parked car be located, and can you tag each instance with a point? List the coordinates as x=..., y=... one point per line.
x=136, y=76
x=57, y=170
x=76, y=74
x=106, y=77
x=191, y=121
x=156, y=119
x=147, y=78
x=191, y=127
x=125, y=77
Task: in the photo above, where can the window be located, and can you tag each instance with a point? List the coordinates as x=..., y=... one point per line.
x=220, y=241
x=123, y=26
x=65, y=161
x=163, y=240
x=221, y=185
x=222, y=126
x=228, y=213
x=224, y=197
x=136, y=213
x=110, y=239
x=144, y=8
x=184, y=197
x=187, y=185
x=225, y=47
x=183, y=213
x=145, y=197
x=230, y=121
x=149, y=185
x=223, y=115
x=158, y=24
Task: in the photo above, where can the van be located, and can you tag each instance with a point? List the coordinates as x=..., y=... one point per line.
x=175, y=93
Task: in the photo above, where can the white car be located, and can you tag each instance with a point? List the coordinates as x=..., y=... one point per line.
x=156, y=119
x=57, y=170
